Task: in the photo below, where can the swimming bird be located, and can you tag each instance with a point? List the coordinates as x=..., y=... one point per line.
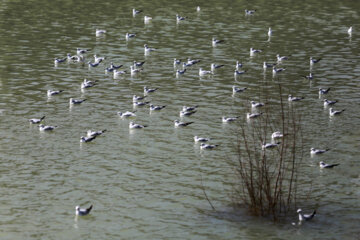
x=214, y=66
x=208, y=146
x=314, y=151
x=127, y=114
x=216, y=41
x=140, y=103
x=281, y=58
x=149, y=90
x=276, y=135
x=138, y=98
x=313, y=60
x=115, y=66
x=176, y=62
x=82, y=211
x=294, y=99
x=198, y=9
x=119, y=72
x=109, y=69
x=53, y=92
x=193, y=61
x=250, y=12
x=87, y=139
x=136, y=12
x=138, y=64
x=329, y=102
x=237, y=72
x=178, y=123
x=180, y=72
x=129, y=35
x=156, y=107
x=76, y=101
x=253, y=115
x=228, y=119
x=238, y=89
x=98, y=59
x=268, y=65
x=188, y=109
x=99, y=32
x=238, y=65
x=256, y=104
x=253, y=51
x=147, y=19
x=133, y=125
x=323, y=91
x=95, y=133
x=80, y=51
x=309, y=77
x=305, y=217
x=277, y=70
x=95, y=64
x=201, y=139
x=179, y=18
x=36, y=120
x=324, y=165
x=186, y=113
x=333, y=112
x=59, y=60
x=350, y=30
x=269, y=145
x=148, y=49
x=43, y=127
x=87, y=84
x=269, y=33
x=204, y=72
x=134, y=70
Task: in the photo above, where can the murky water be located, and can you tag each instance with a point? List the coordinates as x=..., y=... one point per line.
x=146, y=184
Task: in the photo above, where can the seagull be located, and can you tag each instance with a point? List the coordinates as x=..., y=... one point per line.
x=149, y=90
x=253, y=115
x=193, y=61
x=214, y=66
x=148, y=49
x=127, y=114
x=133, y=125
x=198, y=9
x=99, y=32
x=156, y=107
x=138, y=64
x=323, y=91
x=135, y=12
x=350, y=30
x=82, y=211
x=98, y=59
x=95, y=133
x=178, y=123
x=269, y=32
x=314, y=151
x=294, y=99
x=189, y=109
x=204, y=72
x=179, y=18
x=87, y=84
x=305, y=217
x=256, y=104
x=281, y=58
x=253, y=51
x=129, y=35
x=269, y=145
x=36, y=120
x=76, y=101
x=309, y=77
x=185, y=64
x=208, y=146
x=72, y=58
x=216, y=41
x=313, y=60
x=201, y=139
x=329, y=102
x=59, y=60
x=134, y=70
x=180, y=72
x=249, y=12
x=53, y=92
x=276, y=70
x=87, y=139
x=117, y=72
x=176, y=62
x=333, y=112
x=115, y=66
x=186, y=113
x=140, y=103
x=95, y=64
x=238, y=65
x=236, y=72
x=80, y=51
x=324, y=165
x=138, y=98
x=109, y=69
x=42, y=127
x=238, y=89
x=228, y=119
x=276, y=135
x=268, y=65
x=147, y=19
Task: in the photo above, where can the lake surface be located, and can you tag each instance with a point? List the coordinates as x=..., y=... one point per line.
x=147, y=183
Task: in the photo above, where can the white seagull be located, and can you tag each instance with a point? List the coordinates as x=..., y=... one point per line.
x=98, y=59
x=269, y=145
x=36, y=120
x=134, y=70
x=118, y=72
x=76, y=101
x=156, y=107
x=208, y=146
x=269, y=32
x=214, y=66
x=43, y=127
x=178, y=123
x=313, y=60
x=59, y=60
x=140, y=103
x=329, y=102
x=201, y=139
x=323, y=91
x=198, y=9
x=95, y=133
x=82, y=211
x=256, y=104
x=138, y=64
x=350, y=30
x=253, y=51
x=281, y=58
x=149, y=90
x=249, y=12
x=228, y=119
x=237, y=72
x=136, y=12
x=324, y=165
x=138, y=98
x=127, y=114
x=133, y=125
x=87, y=139
x=188, y=109
x=80, y=51
x=253, y=115
x=186, y=113
x=147, y=19
x=148, y=49
x=277, y=70
x=129, y=35
x=333, y=112
x=238, y=89
x=53, y=92
x=99, y=32
x=305, y=217
x=276, y=135
x=268, y=65
x=204, y=72
x=294, y=99
x=314, y=151
x=216, y=41
x=179, y=18
x=238, y=65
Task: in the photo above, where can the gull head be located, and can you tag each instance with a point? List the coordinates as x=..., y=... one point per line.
x=299, y=210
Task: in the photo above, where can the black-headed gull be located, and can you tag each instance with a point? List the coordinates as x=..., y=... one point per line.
x=323, y=91
x=180, y=72
x=309, y=77
x=76, y=101
x=136, y=12
x=115, y=66
x=268, y=65
x=216, y=41
x=314, y=151
x=329, y=102
x=204, y=72
x=253, y=115
x=253, y=51
x=238, y=65
x=192, y=61
x=134, y=70
x=91, y=65
x=118, y=73
x=313, y=60
x=127, y=114
x=324, y=165
x=350, y=30
x=208, y=146
x=294, y=99
x=133, y=125
x=215, y=66
x=36, y=120
x=129, y=35
x=87, y=139
x=305, y=217
x=53, y=92
x=179, y=18
x=149, y=90
x=281, y=58
x=201, y=139
x=178, y=123
x=43, y=127
x=90, y=133
x=237, y=72
x=333, y=112
x=256, y=104
x=59, y=60
x=276, y=135
x=82, y=211
x=269, y=145
x=98, y=59
x=198, y=9
x=140, y=103
x=99, y=32
x=277, y=70
x=250, y=12
x=189, y=108
x=147, y=19
x=148, y=49
x=87, y=84
x=269, y=33
x=138, y=64
x=138, y=98
x=156, y=107
x=238, y=89
x=80, y=51
x=228, y=119
x=186, y=113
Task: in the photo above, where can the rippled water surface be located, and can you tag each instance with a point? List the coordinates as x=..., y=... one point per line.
x=147, y=184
